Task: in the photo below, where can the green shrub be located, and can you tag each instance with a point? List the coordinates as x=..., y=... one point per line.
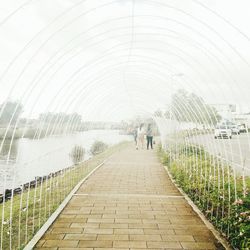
x=77, y=154
x=98, y=147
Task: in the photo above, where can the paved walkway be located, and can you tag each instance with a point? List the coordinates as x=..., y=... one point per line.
x=129, y=203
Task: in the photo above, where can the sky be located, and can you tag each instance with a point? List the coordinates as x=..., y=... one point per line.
x=112, y=60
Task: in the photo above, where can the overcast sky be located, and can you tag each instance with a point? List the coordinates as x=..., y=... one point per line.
x=110, y=60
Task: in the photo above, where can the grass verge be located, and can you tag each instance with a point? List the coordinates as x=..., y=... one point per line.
x=212, y=185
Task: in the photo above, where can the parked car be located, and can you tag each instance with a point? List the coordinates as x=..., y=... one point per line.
x=243, y=128
x=235, y=129
x=222, y=131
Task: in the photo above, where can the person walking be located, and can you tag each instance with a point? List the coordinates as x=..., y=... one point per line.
x=135, y=134
x=149, y=134
x=140, y=136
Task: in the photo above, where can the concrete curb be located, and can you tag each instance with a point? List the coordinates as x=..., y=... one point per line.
x=209, y=225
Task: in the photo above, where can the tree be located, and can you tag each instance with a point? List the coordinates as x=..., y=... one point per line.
x=158, y=113
x=60, y=118
x=191, y=108
x=10, y=112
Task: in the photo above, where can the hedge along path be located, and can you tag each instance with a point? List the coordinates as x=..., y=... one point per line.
x=128, y=203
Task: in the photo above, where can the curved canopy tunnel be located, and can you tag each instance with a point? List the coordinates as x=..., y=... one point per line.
x=72, y=65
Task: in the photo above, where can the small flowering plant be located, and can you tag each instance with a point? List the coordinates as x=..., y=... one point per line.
x=241, y=222
x=238, y=202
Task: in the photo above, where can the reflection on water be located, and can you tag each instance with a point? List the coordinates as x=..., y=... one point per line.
x=8, y=156
x=31, y=158
x=9, y=151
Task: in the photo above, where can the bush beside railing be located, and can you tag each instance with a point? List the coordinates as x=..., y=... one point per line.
x=98, y=147
x=214, y=187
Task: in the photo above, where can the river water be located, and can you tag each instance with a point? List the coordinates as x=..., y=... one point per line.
x=30, y=158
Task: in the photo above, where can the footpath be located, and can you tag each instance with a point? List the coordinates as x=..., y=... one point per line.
x=128, y=203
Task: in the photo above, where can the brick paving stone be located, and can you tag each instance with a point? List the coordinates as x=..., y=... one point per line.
x=140, y=226
x=199, y=232
x=128, y=221
x=98, y=231
x=80, y=237
x=53, y=236
x=101, y=220
x=59, y=230
x=66, y=216
x=128, y=231
x=198, y=245
x=128, y=203
x=199, y=227
x=199, y=238
x=130, y=244
x=95, y=244
x=157, y=231
x=178, y=238
x=141, y=216
x=71, y=220
x=40, y=243
x=47, y=248
x=85, y=217
x=147, y=221
x=113, y=237
x=115, y=216
x=62, y=224
x=75, y=211
x=76, y=248
x=146, y=249
x=113, y=225
x=85, y=225
x=111, y=248
x=145, y=237
x=163, y=244
x=60, y=243
x=187, y=221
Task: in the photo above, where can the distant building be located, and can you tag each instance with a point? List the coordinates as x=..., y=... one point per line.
x=242, y=119
x=226, y=111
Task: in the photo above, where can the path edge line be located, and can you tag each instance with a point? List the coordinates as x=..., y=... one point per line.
x=209, y=225
x=53, y=217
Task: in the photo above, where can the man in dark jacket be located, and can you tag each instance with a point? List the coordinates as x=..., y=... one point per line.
x=149, y=134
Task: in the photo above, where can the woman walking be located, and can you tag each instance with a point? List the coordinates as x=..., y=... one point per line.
x=140, y=136
x=149, y=136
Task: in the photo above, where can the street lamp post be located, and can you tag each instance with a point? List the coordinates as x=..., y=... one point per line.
x=171, y=108
x=171, y=90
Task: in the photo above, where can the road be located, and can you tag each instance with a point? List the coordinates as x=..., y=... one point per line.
x=236, y=150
